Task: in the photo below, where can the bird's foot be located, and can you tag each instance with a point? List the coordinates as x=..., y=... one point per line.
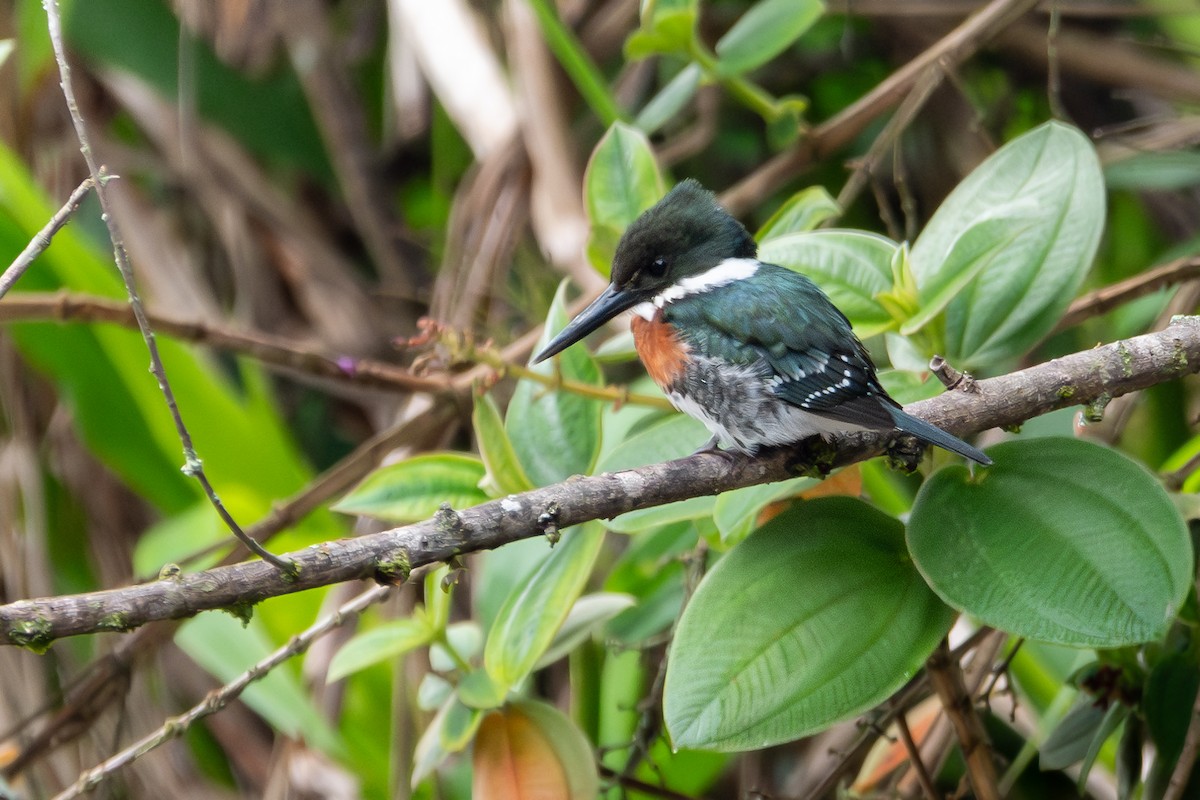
x=812, y=457
x=711, y=447
x=904, y=453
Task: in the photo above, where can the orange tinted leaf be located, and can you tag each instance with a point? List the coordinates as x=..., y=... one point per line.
x=514, y=761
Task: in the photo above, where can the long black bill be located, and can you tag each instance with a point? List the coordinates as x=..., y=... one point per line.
x=612, y=302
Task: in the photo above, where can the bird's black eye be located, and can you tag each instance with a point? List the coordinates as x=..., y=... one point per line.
x=658, y=267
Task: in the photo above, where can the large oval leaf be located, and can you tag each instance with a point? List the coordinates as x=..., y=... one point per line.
x=536, y=608
x=415, y=488
x=852, y=267
x=1062, y=540
x=1027, y=223
x=815, y=617
x=556, y=434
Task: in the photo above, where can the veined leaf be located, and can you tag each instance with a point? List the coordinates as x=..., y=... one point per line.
x=815, y=617
x=1048, y=185
x=1062, y=540
x=852, y=267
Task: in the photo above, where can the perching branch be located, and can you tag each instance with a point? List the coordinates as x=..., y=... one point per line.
x=1093, y=375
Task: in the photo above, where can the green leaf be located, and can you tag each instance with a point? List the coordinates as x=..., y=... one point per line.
x=588, y=615
x=1068, y=743
x=735, y=512
x=414, y=489
x=785, y=120
x=478, y=690
x=765, y=31
x=1116, y=714
x=852, y=267
x=815, y=617
x=459, y=725
x=669, y=100
x=667, y=27
x=535, y=609
x=503, y=467
x=383, y=643
x=673, y=437
x=1169, y=697
x=429, y=754
x=556, y=434
x=622, y=180
x=465, y=638
x=1062, y=540
x=1041, y=200
x=803, y=212
x=433, y=692
x=494, y=573
x=906, y=386
x=973, y=252
x=1155, y=171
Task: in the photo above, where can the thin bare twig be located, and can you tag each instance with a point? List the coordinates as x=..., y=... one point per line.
x=41, y=240
x=946, y=676
x=838, y=131
x=630, y=782
x=924, y=87
x=274, y=351
x=192, y=464
x=216, y=700
x=914, y=757
x=1178, y=781
x=1105, y=299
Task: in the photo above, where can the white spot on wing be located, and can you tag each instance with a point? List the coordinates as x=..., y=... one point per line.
x=728, y=271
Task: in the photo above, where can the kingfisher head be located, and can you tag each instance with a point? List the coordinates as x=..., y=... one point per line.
x=665, y=254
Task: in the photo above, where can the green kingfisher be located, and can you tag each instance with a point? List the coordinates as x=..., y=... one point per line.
x=753, y=350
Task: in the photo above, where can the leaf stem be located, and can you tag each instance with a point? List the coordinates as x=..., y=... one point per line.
x=746, y=92
x=461, y=663
x=578, y=64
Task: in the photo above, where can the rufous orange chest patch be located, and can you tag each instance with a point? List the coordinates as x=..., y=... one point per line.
x=660, y=348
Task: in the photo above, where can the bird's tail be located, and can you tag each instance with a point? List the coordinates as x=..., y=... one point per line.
x=935, y=435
